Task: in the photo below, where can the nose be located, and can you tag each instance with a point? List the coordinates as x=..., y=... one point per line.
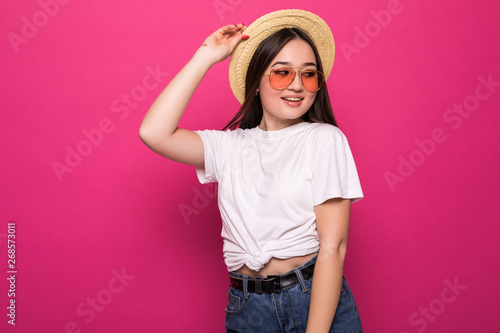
x=296, y=84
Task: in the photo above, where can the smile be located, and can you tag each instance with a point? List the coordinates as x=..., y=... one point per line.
x=292, y=99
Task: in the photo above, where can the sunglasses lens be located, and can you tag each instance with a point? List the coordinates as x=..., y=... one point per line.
x=312, y=80
x=281, y=78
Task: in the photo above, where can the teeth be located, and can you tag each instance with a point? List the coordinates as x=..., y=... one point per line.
x=292, y=99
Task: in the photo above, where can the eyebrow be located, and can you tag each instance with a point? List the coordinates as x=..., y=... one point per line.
x=286, y=63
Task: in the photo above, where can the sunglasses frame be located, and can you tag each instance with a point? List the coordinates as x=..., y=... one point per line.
x=300, y=70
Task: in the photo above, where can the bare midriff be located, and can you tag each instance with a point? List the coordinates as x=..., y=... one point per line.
x=277, y=266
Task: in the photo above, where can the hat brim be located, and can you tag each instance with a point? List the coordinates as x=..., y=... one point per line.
x=268, y=24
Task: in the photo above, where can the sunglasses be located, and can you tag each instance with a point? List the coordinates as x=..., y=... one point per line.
x=281, y=78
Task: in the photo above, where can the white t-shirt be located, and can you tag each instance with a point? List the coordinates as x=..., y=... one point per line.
x=269, y=183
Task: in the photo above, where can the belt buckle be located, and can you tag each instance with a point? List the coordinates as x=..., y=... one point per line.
x=276, y=282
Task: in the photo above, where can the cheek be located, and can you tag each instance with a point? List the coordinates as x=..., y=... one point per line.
x=311, y=100
x=268, y=101
x=265, y=87
x=263, y=83
x=268, y=93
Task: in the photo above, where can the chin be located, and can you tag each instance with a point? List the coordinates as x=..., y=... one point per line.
x=293, y=114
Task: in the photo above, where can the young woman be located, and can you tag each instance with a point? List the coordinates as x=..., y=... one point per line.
x=286, y=176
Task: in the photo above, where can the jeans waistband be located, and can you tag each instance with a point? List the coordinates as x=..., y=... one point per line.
x=276, y=283
x=307, y=263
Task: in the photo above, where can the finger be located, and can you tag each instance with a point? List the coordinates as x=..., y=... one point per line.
x=239, y=29
x=228, y=29
x=237, y=39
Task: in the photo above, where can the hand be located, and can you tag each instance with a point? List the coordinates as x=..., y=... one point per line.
x=222, y=42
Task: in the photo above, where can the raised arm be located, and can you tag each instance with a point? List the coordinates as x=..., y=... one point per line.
x=159, y=129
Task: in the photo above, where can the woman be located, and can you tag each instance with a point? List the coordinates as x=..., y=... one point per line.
x=286, y=174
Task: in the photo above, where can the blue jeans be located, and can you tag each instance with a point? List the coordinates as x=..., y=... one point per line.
x=248, y=312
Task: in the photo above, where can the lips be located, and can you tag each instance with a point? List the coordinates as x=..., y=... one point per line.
x=292, y=99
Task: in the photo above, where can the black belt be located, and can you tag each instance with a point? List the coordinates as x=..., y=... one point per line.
x=271, y=284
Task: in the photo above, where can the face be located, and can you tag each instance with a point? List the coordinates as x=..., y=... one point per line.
x=289, y=104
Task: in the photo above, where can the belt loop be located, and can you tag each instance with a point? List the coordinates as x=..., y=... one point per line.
x=301, y=280
x=258, y=284
x=245, y=286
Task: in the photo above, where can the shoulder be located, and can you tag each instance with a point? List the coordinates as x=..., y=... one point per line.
x=222, y=137
x=326, y=133
x=224, y=133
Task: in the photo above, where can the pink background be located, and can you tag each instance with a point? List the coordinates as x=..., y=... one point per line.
x=429, y=218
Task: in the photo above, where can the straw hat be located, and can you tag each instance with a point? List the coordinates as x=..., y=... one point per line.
x=265, y=26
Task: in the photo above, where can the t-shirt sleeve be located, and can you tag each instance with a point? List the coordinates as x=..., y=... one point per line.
x=213, y=146
x=335, y=174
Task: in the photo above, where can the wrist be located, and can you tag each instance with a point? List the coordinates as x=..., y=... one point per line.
x=205, y=56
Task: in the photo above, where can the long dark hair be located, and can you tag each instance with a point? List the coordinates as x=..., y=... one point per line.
x=250, y=113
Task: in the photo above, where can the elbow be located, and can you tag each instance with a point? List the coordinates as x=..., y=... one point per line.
x=151, y=133
x=147, y=135
x=143, y=134
x=342, y=250
x=154, y=140
x=333, y=250
x=148, y=138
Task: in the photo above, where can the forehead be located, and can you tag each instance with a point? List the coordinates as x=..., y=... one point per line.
x=296, y=52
